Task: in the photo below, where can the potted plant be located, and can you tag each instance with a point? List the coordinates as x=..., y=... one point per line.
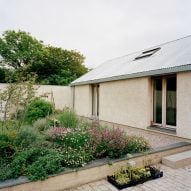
x=130, y=176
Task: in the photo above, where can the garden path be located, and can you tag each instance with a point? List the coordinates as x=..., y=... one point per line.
x=173, y=180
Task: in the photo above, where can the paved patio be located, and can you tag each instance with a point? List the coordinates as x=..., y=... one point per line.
x=173, y=180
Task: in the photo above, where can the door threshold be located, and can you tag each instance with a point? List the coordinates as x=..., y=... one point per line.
x=162, y=129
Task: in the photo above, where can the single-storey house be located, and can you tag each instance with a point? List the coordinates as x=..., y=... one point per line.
x=148, y=88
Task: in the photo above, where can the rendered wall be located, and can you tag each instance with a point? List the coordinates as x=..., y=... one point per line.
x=83, y=100
x=126, y=102
x=184, y=104
x=61, y=95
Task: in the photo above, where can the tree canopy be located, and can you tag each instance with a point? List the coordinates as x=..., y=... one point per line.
x=24, y=54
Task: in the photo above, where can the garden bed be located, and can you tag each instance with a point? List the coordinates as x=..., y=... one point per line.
x=94, y=171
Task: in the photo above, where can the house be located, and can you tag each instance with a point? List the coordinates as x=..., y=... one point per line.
x=148, y=88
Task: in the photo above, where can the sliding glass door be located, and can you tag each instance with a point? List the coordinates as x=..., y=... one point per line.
x=171, y=101
x=157, y=100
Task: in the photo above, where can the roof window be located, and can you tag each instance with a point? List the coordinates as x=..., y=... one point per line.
x=147, y=53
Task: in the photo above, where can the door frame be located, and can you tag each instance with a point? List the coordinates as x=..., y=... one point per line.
x=164, y=90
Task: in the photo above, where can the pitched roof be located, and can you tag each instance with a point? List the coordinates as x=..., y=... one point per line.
x=171, y=57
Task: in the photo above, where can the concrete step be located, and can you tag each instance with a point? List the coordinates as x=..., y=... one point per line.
x=178, y=160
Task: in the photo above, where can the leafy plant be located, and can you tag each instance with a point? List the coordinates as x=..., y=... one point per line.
x=38, y=108
x=44, y=166
x=137, y=144
x=108, y=142
x=76, y=139
x=26, y=137
x=41, y=124
x=76, y=157
x=58, y=134
x=68, y=119
x=26, y=158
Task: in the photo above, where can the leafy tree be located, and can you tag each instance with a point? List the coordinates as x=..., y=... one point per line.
x=19, y=49
x=53, y=65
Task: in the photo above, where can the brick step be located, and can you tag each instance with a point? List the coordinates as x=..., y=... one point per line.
x=178, y=160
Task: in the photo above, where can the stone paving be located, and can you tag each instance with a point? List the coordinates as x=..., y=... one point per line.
x=173, y=180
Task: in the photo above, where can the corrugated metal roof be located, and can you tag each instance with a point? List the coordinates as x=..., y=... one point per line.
x=174, y=56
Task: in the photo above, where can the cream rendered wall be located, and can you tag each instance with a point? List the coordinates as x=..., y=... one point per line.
x=61, y=95
x=184, y=104
x=127, y=102
x=83, y=100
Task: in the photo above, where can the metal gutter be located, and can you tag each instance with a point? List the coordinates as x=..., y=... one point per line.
x=175, y=69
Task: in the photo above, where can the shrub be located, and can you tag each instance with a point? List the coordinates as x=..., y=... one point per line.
x=26, y=137
x=38, y=108
x=6, y=148
x=26, y=158
x=5, y=172
x=44, y=166
x=108, y=142
x=58, y=133
x=137, y=145
x=76, y=139
x=76, y=157
x=68, y=119
x=41, y=124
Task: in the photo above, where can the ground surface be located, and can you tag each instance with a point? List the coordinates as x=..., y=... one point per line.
x=173, y=180
x=155, y=139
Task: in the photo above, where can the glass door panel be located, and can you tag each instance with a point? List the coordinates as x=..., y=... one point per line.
x=157, y=109
x=171, y=101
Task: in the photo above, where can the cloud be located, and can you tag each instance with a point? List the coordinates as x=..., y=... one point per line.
x=99, y=29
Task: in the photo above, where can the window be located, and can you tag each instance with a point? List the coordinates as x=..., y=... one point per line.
x=147, y=53
x=164, y=101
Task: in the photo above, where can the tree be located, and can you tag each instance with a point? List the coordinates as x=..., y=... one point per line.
x=52, y=65
x=19, y=49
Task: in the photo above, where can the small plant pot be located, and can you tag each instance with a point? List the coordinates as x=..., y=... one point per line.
x=155, y=173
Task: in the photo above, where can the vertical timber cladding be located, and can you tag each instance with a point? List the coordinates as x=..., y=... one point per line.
x=127, y=102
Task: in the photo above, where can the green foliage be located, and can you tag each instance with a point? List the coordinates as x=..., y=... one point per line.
x=26, y=137
x=38, y=108
x=68, y=119
x=19, y=49
x=6, y=147
x=52, y=65
x=41, y=124
x=76, y=157
x=137, y=145
x=17, y=96
x=26, y=158
x=6, y=171
x=76, y=139
x=131, y=174
x=107, y=142
x=44, y=166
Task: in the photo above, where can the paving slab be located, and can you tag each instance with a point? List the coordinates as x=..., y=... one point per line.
x=173, y=180
x=178, y=160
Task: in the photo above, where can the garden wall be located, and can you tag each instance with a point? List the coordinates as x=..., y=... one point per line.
x=92, y=172
x=61, y=96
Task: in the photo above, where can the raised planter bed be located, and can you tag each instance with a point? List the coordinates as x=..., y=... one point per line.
x=154, y=174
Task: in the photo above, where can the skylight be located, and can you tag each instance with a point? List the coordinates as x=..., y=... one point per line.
x=147, y=53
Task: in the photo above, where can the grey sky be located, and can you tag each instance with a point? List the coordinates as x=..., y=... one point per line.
x=99, y=29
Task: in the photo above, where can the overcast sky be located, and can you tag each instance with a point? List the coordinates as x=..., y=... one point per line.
x=99, y=29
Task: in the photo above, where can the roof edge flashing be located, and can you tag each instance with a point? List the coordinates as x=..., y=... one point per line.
x=175, y=69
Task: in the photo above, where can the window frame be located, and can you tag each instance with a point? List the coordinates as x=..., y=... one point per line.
x=164, y=104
